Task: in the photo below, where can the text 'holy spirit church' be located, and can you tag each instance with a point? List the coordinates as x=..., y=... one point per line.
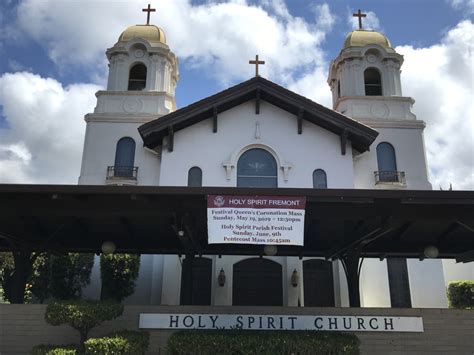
x=260, y=135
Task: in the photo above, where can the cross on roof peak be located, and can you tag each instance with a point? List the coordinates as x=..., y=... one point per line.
x=148, y=10
x=256, y=62
x=359, y=14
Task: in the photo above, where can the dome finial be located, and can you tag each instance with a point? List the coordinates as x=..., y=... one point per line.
x=358, y=14
x=148, y=10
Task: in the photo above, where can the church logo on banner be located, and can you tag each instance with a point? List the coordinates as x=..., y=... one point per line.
x=268, y=220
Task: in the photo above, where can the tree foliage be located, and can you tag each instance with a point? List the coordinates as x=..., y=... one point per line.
x=119, y=273
x=69, y=274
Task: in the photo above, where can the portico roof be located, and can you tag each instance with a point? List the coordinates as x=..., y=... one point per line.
x=139, y=219
x=258, y=89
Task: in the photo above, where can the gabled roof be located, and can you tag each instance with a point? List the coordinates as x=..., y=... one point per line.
x=360, y=135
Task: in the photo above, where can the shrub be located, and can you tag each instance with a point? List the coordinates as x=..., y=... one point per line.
x=70, y=349
x=461, y=294
x=125, y=342
x=82, y=315
x=40, y=277
x=69, y=274
x=258, y=342
x=118, y=273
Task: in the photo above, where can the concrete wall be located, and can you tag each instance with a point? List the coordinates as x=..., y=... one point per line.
x=447, y=331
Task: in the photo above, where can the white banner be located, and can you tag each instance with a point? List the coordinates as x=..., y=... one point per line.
x=282, y=322
x=274, y=220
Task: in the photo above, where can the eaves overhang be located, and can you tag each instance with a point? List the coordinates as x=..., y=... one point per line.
x=258, y=88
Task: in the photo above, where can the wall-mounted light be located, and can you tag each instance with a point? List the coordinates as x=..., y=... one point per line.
x=181, y=233
x=108, y=247
x=221, y=278
x=431, y=252
x=270, y=250
x=295, y=278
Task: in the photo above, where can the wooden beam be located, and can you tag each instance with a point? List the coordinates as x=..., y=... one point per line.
x=214, y=120
x=344, y=135
x=300, y=120
x=170, y=138
x=257, y=102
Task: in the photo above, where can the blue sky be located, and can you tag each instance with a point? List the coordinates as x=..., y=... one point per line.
x=52, y=60
x=419, y=23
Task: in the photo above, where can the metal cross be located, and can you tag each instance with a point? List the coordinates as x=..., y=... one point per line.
x=148, y=10
x=256, y=62
x=359, y=14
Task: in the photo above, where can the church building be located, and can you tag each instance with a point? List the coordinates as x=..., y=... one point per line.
x=260, y=134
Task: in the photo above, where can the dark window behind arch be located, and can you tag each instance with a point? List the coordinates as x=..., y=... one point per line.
x=257, y=168
x=386, y=162
x=124, y=157
x=318, y=283
x=338, y=89
x=372, y=82
x=137, y=77
x=320, y=179
x=195, y=176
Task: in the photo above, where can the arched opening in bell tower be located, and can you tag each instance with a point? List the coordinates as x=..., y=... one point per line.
x=137, y=77
x=372, y=82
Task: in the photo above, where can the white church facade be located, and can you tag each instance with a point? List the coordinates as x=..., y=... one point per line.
x=258, y=134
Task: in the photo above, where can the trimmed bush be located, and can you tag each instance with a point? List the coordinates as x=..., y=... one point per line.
x=118, y=273
x=69, y=274
x=461, y=294
x=82, y=315
x=262, y=342
x=70, y=349
x=125, y=342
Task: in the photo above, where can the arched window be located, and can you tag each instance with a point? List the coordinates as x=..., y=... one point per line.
x=319, y=179
x=373, y=82
x=124, y=157
x=195, y=176
x=137, y=77
x=338, y=89
x=386, y=162
x=257, y=168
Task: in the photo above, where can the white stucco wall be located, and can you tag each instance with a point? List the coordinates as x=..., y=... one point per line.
x=410, y=157
x=99, y=153
x=315, y=148
x=457, y=271
x=427, y=283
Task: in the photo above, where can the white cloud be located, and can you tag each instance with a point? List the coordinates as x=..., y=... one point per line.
x=467, y=5
x=43, y=143
x=440, y=78
x=224, y=34
x=370, y=22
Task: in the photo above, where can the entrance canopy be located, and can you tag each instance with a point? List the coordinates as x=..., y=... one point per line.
x=173, y=220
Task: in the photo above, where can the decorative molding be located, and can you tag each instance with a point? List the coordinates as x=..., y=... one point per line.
x=119, y=118
x=394, y=123
x=257, y=130
x=132, y=105
x=232, y=162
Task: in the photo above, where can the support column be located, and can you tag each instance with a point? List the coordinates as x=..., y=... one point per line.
x=350, y=262
x=187, y=280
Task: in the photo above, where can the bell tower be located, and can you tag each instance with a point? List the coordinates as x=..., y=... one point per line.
x=143, y=73
x=365, y=78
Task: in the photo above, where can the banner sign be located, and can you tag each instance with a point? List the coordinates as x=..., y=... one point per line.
x=276, y=220
x=282, y=322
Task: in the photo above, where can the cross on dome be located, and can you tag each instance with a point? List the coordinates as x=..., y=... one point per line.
x=148, y=10
x=359, y=14
x=256, y=62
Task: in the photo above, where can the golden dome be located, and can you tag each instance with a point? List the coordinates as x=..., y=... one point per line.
x=361, y=38
x=151, y=33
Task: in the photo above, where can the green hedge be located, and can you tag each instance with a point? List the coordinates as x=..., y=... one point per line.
x=70, y=349
x=262, y=342
x=125, y=342
x=82, y=315
x=461, y=294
